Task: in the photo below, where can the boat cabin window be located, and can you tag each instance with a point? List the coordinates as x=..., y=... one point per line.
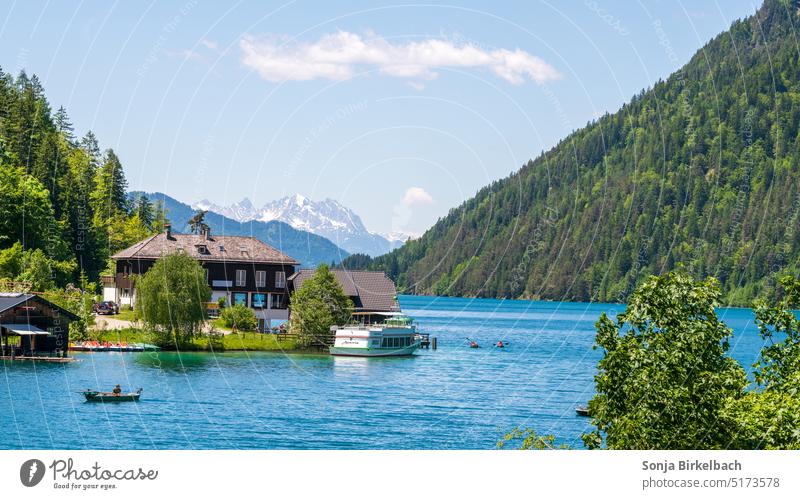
x=395, y=342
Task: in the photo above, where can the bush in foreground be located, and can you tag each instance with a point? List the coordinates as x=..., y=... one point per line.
x=239, y=317
x=666, y=382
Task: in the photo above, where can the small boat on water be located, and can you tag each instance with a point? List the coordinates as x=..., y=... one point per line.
x=97, y=396
x=394, y=337
x=582, y=410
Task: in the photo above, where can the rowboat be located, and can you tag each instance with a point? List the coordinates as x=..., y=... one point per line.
x=96, y=396
x=582, y=410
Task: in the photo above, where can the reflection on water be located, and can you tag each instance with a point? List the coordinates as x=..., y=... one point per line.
x=179, y=361
x=451, y=398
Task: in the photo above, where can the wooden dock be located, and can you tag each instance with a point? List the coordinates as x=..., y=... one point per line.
x=36, y=358
x=425, y=341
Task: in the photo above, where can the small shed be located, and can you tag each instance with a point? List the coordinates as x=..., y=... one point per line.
x=31, y=326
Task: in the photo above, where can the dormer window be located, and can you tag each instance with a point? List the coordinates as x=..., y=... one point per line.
x=202, y=249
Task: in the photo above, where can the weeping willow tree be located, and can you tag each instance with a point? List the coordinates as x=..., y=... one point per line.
x=171, y=299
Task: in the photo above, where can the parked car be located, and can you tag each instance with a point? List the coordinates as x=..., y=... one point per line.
x=106, y=308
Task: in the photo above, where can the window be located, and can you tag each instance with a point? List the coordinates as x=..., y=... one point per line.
x=261, y=279
x=240, y=299
x=259, y=300
x=278, y=301
x=280, y=280
x=241, y=277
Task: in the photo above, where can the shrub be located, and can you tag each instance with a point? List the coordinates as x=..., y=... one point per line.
x=239, y=317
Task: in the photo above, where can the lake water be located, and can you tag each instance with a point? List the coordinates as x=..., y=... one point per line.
x=450, y=398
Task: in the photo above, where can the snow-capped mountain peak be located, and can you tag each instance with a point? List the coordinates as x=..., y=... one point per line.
x=327, y=218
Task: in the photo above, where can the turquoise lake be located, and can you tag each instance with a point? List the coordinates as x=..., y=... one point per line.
x=450, y=398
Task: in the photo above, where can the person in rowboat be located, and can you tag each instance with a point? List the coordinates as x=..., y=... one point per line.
x=116, y=391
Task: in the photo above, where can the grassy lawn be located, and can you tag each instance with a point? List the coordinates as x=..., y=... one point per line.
x=255, y=341
x=125, y=315
x=239, y=341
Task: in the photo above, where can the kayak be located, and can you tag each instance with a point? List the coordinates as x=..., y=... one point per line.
x=95, y=396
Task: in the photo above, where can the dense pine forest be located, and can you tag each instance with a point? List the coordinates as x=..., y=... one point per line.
x=64, y=208
x=699, y=172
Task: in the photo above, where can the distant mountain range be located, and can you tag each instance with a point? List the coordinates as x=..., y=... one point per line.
x=327, y=218
x=310, y=249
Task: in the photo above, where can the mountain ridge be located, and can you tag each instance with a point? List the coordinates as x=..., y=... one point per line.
x=327, y=218
x=310, y=249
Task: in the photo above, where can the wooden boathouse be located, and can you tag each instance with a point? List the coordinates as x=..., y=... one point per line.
x=32, y=328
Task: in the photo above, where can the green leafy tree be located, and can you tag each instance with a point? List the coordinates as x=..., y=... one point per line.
x=665, y=379
x=529, y=439
x=26, y=214
x=769, y=418
x=79, y=302
x=33, y=267
x=125, y=230
x=319, y=304
x=239, y=317
x=171, y=299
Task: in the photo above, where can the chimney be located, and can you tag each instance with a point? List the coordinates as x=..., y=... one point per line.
x=168, y=230
x=206, y=233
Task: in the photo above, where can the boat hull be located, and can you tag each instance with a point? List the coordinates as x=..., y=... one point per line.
x=110, y=397
x=374, y=352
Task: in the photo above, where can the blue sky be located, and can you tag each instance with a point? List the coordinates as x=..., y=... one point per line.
x=400, y=111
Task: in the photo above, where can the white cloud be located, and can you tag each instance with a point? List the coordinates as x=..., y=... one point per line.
x=417, y=195
x=338, y=56
x=209, y=44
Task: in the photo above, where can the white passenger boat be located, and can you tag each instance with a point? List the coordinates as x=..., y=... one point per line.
x=395, y=336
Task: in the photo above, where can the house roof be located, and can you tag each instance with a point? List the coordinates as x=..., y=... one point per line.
x=217, y=248
x=370, y=291
x=11, y=300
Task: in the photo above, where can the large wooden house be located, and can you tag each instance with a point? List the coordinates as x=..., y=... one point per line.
x=242, y=270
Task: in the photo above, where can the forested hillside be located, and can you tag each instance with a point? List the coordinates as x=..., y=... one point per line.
x=700, y=171
x=63, y=203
